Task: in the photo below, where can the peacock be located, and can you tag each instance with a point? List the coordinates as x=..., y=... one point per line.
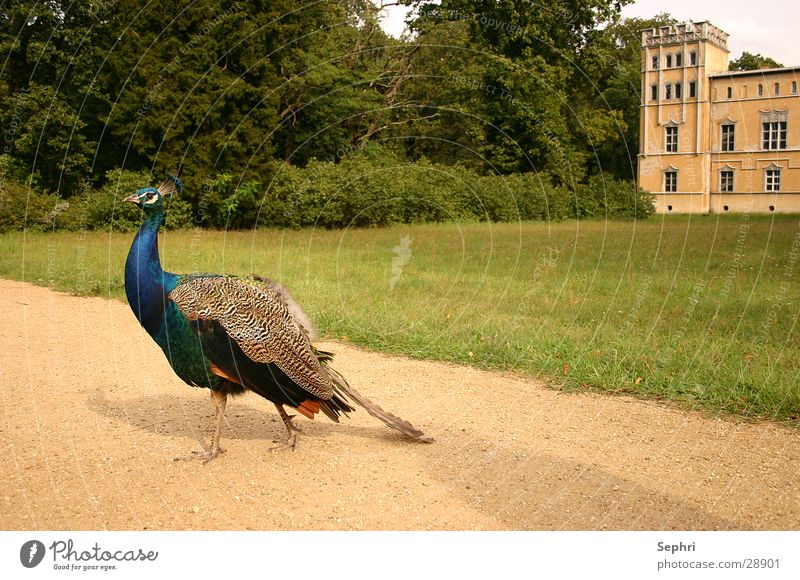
x=234, y=334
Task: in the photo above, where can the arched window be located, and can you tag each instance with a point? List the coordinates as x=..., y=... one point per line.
x=671, y=139
x=772, y=178
x=760, y=90
x=727, y=136
x=726, y=179
x=671, y=180
x=777, y=88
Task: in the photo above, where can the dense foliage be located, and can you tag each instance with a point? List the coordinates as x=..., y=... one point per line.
x=750, y=61
x=361, y=191
x=247, y=100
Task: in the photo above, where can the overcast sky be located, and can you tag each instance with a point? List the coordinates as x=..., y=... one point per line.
x=769, y=27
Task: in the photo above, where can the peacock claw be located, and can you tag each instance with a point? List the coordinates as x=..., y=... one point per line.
x=206, y=456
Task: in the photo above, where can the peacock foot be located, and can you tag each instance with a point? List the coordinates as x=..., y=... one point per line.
x=206, y=456
x=290, y=441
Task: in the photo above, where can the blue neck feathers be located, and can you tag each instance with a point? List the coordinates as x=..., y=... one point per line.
x=146, y=284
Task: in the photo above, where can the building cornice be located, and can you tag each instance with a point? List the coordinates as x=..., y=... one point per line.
x=762, y=72
x=675, y=34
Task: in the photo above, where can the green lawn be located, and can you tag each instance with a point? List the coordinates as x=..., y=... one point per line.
x=700, y=310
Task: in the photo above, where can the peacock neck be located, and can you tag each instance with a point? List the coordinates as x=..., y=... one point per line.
x=146, y=283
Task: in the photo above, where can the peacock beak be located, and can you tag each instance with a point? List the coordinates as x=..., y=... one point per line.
x=132, y=198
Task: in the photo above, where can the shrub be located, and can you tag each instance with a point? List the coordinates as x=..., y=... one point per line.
x=363, y=190
x=22, y=208
x=615, y=198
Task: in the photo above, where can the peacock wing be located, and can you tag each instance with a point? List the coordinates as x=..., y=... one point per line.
x=256, y=319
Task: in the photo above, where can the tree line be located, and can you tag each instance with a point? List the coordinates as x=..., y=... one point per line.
x=242, y=97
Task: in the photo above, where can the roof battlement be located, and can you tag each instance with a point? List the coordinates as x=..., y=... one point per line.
x=685, y=32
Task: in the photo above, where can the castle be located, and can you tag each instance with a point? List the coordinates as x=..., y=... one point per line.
x=713, y=140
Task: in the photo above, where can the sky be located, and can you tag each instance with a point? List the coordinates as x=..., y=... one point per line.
x=769, y=27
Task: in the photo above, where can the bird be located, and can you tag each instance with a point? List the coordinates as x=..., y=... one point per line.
x=234, y=334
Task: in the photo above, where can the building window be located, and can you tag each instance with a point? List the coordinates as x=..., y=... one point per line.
x=654, y=62
x=679, y=59
x=671, y=139
x=653, y=92
x=669, y=60
x=726, y=181
x=773, y=179
x=693, y=58
x=678, y=90
x=727, y=138
x=668, y=91
x=730, y=92
x=692, y=88
x=670, y=181
x=760, y=90
x=777, y=88
x=773, y=135
x=794, y=87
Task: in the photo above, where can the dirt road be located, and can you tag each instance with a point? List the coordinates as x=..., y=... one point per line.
x=92, y=416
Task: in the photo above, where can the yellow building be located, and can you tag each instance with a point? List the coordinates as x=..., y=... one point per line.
x=712, y=140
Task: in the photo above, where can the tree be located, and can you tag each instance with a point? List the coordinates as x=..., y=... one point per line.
x=749, y=61
x=616, y=64
x=51, y=99
x=516, y=94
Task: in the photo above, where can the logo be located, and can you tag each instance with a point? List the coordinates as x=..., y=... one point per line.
x=31, y=553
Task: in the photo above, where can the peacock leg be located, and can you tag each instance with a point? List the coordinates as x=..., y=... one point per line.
x=220, y=399
x=291, y=429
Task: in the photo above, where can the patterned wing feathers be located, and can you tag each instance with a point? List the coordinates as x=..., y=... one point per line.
x=257, y=320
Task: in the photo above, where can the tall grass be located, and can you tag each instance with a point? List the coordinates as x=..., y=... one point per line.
x=700, y=310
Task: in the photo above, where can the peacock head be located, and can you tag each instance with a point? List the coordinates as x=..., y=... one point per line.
x=152, y=199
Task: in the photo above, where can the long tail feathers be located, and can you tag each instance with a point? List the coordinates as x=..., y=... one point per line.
x=390, y=420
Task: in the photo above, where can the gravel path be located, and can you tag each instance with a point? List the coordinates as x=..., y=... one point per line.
x=92, y=416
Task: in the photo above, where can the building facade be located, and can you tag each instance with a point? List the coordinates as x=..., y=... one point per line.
x=712, y=140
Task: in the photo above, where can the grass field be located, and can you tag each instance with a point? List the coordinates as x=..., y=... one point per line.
x=699, y=310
